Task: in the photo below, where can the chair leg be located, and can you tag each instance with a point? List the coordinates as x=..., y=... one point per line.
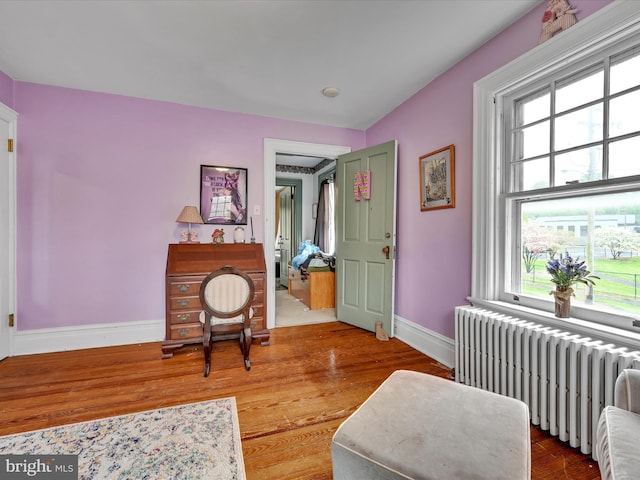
x=206, y=344
x=245, y=344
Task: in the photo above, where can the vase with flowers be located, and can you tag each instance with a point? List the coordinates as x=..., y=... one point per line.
x=566, y=272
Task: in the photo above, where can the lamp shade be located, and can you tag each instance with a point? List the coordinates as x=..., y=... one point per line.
x=189, y=215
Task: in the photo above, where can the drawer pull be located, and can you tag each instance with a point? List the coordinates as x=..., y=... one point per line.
x=184, y=317
x=183, y=303
x=183, y=287
x=183, y=332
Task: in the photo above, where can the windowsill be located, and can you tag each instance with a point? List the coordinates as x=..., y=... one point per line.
x=605, y=333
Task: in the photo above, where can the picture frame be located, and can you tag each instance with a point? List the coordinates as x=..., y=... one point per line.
x=223, y=195
x=437, y=179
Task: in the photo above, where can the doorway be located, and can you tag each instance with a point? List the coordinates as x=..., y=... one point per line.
x=272, y=148
x=289, y=213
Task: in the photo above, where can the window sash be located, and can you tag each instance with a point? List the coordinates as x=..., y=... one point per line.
x=493, y=208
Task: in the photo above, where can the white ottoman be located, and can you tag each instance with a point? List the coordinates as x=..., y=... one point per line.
x=423, y=427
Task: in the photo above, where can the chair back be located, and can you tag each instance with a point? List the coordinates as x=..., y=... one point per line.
x=227, y=293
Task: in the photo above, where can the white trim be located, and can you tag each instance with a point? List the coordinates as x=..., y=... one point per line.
x=596, y=33
x=61, y=339
x=431, y=343
x=596, y=331
x=271, y=148
x=11, y=117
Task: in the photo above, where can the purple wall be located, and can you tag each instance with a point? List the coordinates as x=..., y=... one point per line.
x=434, y=248
x=6, y=89
x=102, y=178
x=101, y=181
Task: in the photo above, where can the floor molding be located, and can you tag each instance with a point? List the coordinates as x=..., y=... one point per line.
x=432, y=344
x=60, y=339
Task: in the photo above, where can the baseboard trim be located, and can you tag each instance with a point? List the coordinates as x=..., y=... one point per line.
x=431, y=343
x=47, y=340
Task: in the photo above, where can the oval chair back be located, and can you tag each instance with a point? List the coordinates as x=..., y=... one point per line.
x=226, y=296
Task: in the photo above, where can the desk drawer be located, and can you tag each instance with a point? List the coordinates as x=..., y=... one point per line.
x=183, y=332
x=181, y=318
x=185, y=286
x=185, y=303
x=258, y=281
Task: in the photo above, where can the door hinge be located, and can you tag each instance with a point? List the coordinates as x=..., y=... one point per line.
x=11, y=320
x=10, y=145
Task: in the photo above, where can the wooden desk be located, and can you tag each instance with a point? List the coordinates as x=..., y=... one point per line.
x=187, y=265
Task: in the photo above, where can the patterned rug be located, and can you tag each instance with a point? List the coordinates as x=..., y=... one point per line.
x=193, y=441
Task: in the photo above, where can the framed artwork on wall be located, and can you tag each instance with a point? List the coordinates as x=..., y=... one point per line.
x=437, y=179
x=223, y=195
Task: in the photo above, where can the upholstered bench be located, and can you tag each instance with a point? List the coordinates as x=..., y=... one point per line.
x=419, y=426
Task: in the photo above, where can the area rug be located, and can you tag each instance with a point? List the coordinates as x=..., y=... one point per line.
x=192, y=441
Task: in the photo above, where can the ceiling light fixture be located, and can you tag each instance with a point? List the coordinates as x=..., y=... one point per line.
x=330, y=92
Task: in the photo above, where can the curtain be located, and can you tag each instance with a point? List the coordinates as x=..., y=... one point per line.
x=325, y=234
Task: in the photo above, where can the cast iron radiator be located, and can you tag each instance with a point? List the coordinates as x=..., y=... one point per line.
x=565, y=379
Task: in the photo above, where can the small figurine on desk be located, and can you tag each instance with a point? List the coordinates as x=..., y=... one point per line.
x=193, y=236
x=184, y=236
x=218, y=236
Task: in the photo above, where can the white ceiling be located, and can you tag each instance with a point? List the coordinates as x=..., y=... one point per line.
x=263, y=57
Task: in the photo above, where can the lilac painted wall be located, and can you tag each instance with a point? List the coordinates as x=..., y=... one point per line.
x=6, y=89
x=434, y=248
x=101, y=180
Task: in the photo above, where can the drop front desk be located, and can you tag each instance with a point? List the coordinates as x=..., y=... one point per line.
x=187, y=265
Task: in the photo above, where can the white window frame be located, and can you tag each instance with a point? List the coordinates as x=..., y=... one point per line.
x=599, y=32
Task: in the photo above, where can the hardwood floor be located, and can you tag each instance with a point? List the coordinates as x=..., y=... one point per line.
x=297, y=393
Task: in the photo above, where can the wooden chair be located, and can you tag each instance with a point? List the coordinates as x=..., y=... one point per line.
x=226, y=296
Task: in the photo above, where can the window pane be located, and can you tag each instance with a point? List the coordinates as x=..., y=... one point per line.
x=625, y=71
x=623, y=115
x=579, y=90
x=534, y=108
x=579, y=128
x=535, y=140
x=624, y=158
x=578, y=166
x=535, y=174
x=601, y=230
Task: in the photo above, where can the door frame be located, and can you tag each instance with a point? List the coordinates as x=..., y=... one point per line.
x=272, y=147
x=11, y=117
x=297, y=193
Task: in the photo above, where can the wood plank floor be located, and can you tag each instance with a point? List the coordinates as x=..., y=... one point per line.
x=298, y=392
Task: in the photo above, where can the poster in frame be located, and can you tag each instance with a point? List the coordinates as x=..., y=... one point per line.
x=223, y=195
x=437, y=179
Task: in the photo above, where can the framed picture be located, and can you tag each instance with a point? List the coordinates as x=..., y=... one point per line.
x=223, y=195
x=437, y=179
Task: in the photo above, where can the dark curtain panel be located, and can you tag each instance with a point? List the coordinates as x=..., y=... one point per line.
x=325, y=233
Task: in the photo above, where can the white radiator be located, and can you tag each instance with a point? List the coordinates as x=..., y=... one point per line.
x=564, y=378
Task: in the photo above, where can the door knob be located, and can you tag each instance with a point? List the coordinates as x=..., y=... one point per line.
x=385, y=250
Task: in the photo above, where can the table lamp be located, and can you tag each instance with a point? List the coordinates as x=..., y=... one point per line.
x=189, y=215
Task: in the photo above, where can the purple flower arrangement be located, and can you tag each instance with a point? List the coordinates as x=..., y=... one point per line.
x=566, y=271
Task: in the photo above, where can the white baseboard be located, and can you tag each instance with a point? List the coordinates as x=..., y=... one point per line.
x=432, y=344
x=60, y=339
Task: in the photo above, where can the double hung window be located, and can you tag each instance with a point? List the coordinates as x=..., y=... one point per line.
x=567, y=172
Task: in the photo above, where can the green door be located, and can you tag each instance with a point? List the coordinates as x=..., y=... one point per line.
x=366, y=234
